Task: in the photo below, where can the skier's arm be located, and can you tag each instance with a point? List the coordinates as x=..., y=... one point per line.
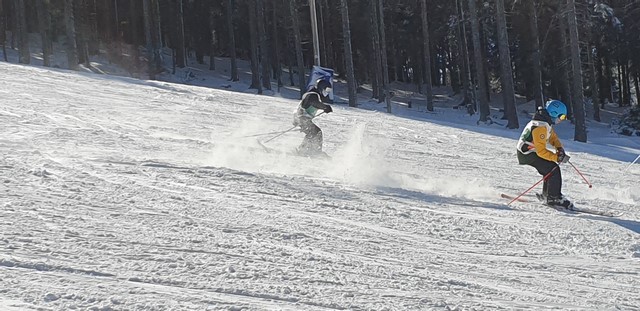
x=539, y=135
x=554, y=140
x=316, y=102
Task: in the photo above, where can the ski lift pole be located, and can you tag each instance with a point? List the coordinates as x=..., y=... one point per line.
x=534, y=185
x=314, y=32
x=585, y=179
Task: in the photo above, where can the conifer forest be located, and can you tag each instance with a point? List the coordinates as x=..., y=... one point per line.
x=583, y=52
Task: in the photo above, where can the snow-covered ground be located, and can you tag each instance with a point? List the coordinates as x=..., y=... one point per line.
x=125, y=194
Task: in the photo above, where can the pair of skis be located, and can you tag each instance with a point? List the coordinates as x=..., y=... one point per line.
x=321, y=155
x=573, y=208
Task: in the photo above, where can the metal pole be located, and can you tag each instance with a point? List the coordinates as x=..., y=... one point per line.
x=314, y=30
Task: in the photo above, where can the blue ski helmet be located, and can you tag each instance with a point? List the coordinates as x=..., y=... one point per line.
x=557, y=110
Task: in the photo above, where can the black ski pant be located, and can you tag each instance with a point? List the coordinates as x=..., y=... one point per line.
x=552, y=186
x=312, y=142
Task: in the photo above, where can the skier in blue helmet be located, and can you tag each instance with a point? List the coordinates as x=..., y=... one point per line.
x=532, y=150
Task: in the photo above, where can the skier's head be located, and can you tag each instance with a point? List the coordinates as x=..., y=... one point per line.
x=323, y=86
x=557, y=110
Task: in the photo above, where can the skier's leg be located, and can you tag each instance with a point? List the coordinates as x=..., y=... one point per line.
x=553, y=183
x=306, y=129
x=312, y=143
x=315, y=139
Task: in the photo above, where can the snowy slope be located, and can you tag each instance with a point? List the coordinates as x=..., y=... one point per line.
x=121, y=194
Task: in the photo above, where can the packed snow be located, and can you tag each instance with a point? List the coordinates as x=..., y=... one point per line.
x=125, y=194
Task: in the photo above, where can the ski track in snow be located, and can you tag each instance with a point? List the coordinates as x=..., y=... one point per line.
x=126, y=195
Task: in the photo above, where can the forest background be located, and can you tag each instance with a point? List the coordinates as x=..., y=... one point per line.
x=583, y=52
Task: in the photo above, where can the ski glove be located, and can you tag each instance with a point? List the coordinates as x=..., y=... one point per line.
x=328, y=109
x=563, y=157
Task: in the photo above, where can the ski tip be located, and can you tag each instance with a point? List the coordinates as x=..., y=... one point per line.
x=513, y=198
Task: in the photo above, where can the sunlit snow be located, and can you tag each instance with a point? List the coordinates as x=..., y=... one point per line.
x=124, y=194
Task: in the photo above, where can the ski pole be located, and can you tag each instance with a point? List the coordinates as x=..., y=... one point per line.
x=585, y=179
x=280, y=134
x=274, y=137
x=263, y=134
x=632, y=163
x=539, y=181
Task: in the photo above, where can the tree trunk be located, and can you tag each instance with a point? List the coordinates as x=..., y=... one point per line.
x=348, y=54
x=181, y=57
x=564, y=68
x=289, y=55
x=479, y=63
x=426, y=50
x=322, y=33
x=81, y=14
x=464, y=60
x=92, y=28
x=578, y=96
x=595, y=94
x=297, y=42
x=375, y=46
x=212, y=46
x=506, y=73
x=263, y=45
x=453, y=63
x=24, y=57
x=329, y=32
x=538, y=92
x=395, y=54
x=636, y=84
x=3, y=32
x=253, y=35
x=44, y=23
x=383, y=57
x=72, y=56
x=626, y=85
x=232, y=42
x=275, y=59
x=148, y=25
x=158, y=27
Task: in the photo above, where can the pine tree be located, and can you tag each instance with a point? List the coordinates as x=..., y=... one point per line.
x=479, y=63
x=295, y=24
x=576, y=77
x=71, y=48
x=232, y=42
x=44, y=25
x=346, y=31
x=506, y=73
x=23, y=33
x=3, y=38
x=427, y=56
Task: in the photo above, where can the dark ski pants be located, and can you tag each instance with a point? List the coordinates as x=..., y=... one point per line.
x=312, y=142
x=552, y=186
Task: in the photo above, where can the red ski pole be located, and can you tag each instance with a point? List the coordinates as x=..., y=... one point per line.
x=585, y=179
x=534, y=185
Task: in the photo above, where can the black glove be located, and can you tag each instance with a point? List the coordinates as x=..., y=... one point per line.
x=328, y=109
x=563, y=157
x=560, y=152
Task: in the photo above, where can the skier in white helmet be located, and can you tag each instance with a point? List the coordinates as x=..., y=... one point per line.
x=308, y=108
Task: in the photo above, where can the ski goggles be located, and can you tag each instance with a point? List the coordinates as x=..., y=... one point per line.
x=562, y=117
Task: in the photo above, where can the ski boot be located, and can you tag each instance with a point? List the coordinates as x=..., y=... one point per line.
x=559, y=202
